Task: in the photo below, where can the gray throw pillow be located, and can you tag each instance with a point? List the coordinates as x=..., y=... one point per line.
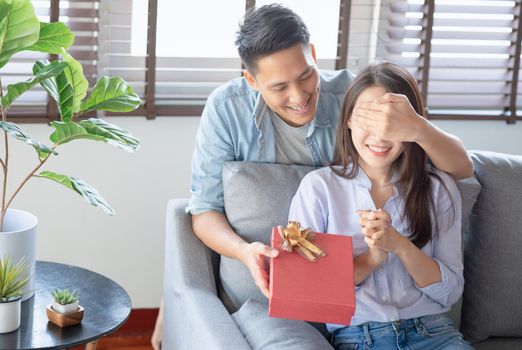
x=257, y=198
x=492, y=245
x=264, y=332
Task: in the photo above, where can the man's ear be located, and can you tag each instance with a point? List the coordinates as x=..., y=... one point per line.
x=251, y=80
x=312, y=48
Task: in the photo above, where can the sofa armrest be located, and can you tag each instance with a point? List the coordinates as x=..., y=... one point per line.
x=194, y=317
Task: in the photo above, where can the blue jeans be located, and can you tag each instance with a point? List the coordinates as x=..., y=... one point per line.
x=428, y=332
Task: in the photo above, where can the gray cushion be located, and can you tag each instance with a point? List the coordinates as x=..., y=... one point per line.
x=264, y=332
x=499, y=344
x=469, y=191
x=190, y=291
x=257, y=197
x=492, y=248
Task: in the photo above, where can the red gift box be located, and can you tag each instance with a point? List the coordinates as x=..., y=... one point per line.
x=319, y=291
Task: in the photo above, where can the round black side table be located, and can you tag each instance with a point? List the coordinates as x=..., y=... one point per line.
x=107, y=306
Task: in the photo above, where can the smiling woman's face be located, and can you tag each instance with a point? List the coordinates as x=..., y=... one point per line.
x=375, y=153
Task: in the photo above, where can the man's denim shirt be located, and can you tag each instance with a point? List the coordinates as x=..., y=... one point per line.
x=235, y=125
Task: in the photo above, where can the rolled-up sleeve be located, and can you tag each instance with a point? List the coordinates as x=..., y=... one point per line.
x=447, y=251
x=213, y=147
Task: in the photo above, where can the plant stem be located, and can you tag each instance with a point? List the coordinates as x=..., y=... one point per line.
x=25, y=180
x=4, y=163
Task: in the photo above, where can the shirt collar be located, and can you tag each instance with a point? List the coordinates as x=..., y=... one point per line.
x=260, y=110
x=362, y=180
x=321, y=115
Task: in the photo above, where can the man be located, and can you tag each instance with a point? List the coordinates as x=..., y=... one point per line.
x=284, y=110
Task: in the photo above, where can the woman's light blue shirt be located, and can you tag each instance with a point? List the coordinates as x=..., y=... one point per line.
x=326, y=202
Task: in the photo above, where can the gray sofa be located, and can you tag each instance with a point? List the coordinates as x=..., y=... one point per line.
x=211, y=303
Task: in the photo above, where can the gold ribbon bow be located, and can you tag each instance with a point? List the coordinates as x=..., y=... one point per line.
x=294, y=237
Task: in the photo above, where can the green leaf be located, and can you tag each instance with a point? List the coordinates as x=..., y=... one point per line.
x=16, y=90
x=5, y=10
x=53, y=36
x=94, y=129
x=68, y=88
x=49, y=84
x=15, y=131
x=13, y=278
x=85, y=190
x=19, y=28
x=65, y=296
x=111, y=133
x=66, y=100
x=113, y=95
x=76, y=79
x=69, y=131
x=59, y=88
x=61, y=179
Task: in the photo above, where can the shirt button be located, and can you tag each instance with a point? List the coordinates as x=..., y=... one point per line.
x=383, y=298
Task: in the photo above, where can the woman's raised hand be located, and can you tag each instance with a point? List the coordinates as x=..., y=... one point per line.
x=378, y=232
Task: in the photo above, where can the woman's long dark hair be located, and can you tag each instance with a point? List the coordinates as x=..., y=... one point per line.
x=414, y=182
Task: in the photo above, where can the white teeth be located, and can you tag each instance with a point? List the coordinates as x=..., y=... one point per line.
x=298, y=108
x=378, y=149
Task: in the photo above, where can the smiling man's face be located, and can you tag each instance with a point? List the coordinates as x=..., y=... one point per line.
x=288, y=80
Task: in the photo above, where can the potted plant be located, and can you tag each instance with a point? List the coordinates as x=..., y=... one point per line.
x=64, y=81
x=64, y=301
x=13, y=279
x=64, y=310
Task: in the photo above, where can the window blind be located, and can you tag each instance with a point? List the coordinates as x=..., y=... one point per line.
x=181, y=83
x=365, y=32
x=115, y=42
x=464, y=54
x=169, y=84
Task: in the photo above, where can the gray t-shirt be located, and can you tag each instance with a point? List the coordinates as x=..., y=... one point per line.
x=290, y=142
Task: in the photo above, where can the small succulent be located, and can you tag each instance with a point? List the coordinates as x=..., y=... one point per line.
x=13, y=279
x=64, y=296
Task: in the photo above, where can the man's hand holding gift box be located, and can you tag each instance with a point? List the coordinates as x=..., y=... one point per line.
x=312, y=278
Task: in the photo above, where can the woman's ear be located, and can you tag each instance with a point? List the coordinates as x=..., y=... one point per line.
x=350, y=122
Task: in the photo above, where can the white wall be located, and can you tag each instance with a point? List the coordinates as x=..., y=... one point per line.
x=129, y=247
x=486, y=135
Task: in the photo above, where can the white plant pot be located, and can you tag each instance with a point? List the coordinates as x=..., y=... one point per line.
x=18, y=240
x=10, y=316
x=65, y=309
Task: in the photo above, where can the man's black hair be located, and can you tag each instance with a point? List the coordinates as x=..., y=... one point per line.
x=266, y=30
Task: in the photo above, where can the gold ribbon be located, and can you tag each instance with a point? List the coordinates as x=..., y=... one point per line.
x=294, y=237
